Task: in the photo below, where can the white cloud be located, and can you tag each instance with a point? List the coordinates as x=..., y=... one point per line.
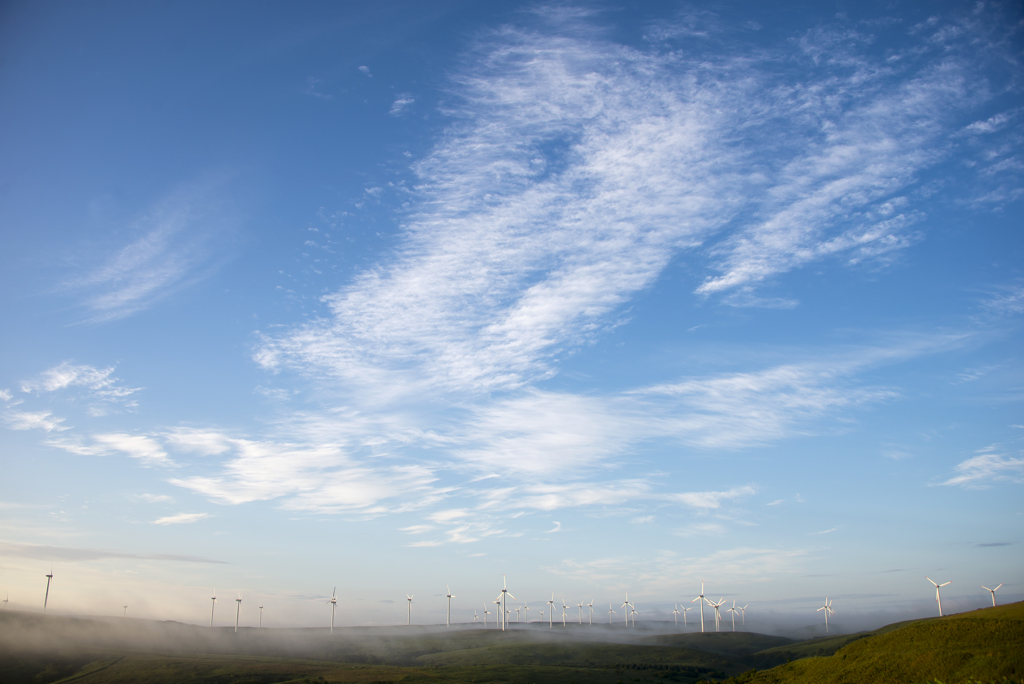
x=145, y=448
x=173, y=250
x=365, y=70
x=181, y=518
x=5, y=395
x=987, y=467
x=154, y=498
x=66, y=374
x=776, y=502
x=401, y=104
x=33, y=420
x=710, y=500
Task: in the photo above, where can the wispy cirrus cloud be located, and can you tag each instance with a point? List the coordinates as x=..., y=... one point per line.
x=145, y=448
x=181, y=519
x=991, y=464
x=174, y=248
x=33, y=420
x=100, y=382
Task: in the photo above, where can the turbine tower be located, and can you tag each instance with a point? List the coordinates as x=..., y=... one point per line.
x=993, y=592
x=610, y=613
x=828, y=611
x=718, y=615
x=517, y=615
x=7, y=597
x=551, y=609
x=625, y=614
x=261, y=616
x=591, y=607
x=684, y=615
x=475, y=616
x=125, y=613
x=450, y=596
x=334, y=604
x=46, y=597
x=526, y=609
x=733, y=610
x=743, y=613
x=486, y=613
x=633, y=612
x=408, y=597
x=504, y=606
x=213, y=604
x=676, y=614
x=238, y=609
x=938, y=597
x=497, y=609
x=700, y=600
x=564, y=608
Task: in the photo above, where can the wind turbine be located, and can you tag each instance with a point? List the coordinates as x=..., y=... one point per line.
x=497, y=611
x=743, y=612
x=625, y=614
x=633, y=612
x=937, y=596
x=828, y=611
x=46, y=597
x=334, y=604
x=448, y=621
x=517, y=615
x=551, y=609
x=733, y=610
x=486, y=613
x=8, y=596
x=213, y=604
x=261, y=616
x=718, y=615
x=238, y=609
x=526, y=609
x=564, y=607
x=475, y=616
x=504, y=607
x=125, y=613
x=580, y=606
x=700, y=600
x=993, y=592
x=684, y=614
x=610, y=613
x=676, y=613
x=591, y=607
x=408, y=598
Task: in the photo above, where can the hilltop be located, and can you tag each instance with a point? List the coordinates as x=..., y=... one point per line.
x=984, y=644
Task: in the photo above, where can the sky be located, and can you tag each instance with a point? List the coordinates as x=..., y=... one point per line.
x=605, y=297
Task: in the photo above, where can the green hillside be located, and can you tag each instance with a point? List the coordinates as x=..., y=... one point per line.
x=984, y=645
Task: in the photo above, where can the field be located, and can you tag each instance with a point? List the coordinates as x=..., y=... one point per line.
x=985, y=645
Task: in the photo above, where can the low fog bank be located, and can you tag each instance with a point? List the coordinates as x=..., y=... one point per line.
x=24, y=632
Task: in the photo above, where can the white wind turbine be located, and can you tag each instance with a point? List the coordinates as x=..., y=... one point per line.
x=475, y=616
x=828, y=611
x=408, y=597
x=684, y=614
x=591, y=607
x=334, y=604
x=486, y=613
x=504, y=605
x=261, y=616
x=700, y=599
x=125, y=613
x=580, y=606
x=676, y=614
x=564, y=607
x=497, y=611
x=213, y=604
x=448, y=620
x=46, y=597
x=743, y=613
x=633, y=612
x=238, y=609
x=610, y=613
x=625, y=613
x=938, y=597
x=526, y=609
x=733, y=610
x=551, y=609
x=7, y=597
x=718, y=615
x=993, y=592
x=517, y=615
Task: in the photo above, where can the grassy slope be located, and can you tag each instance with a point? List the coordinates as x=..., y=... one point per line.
x=984, y=645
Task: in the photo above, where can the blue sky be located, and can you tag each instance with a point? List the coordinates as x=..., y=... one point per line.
x=606, y=296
